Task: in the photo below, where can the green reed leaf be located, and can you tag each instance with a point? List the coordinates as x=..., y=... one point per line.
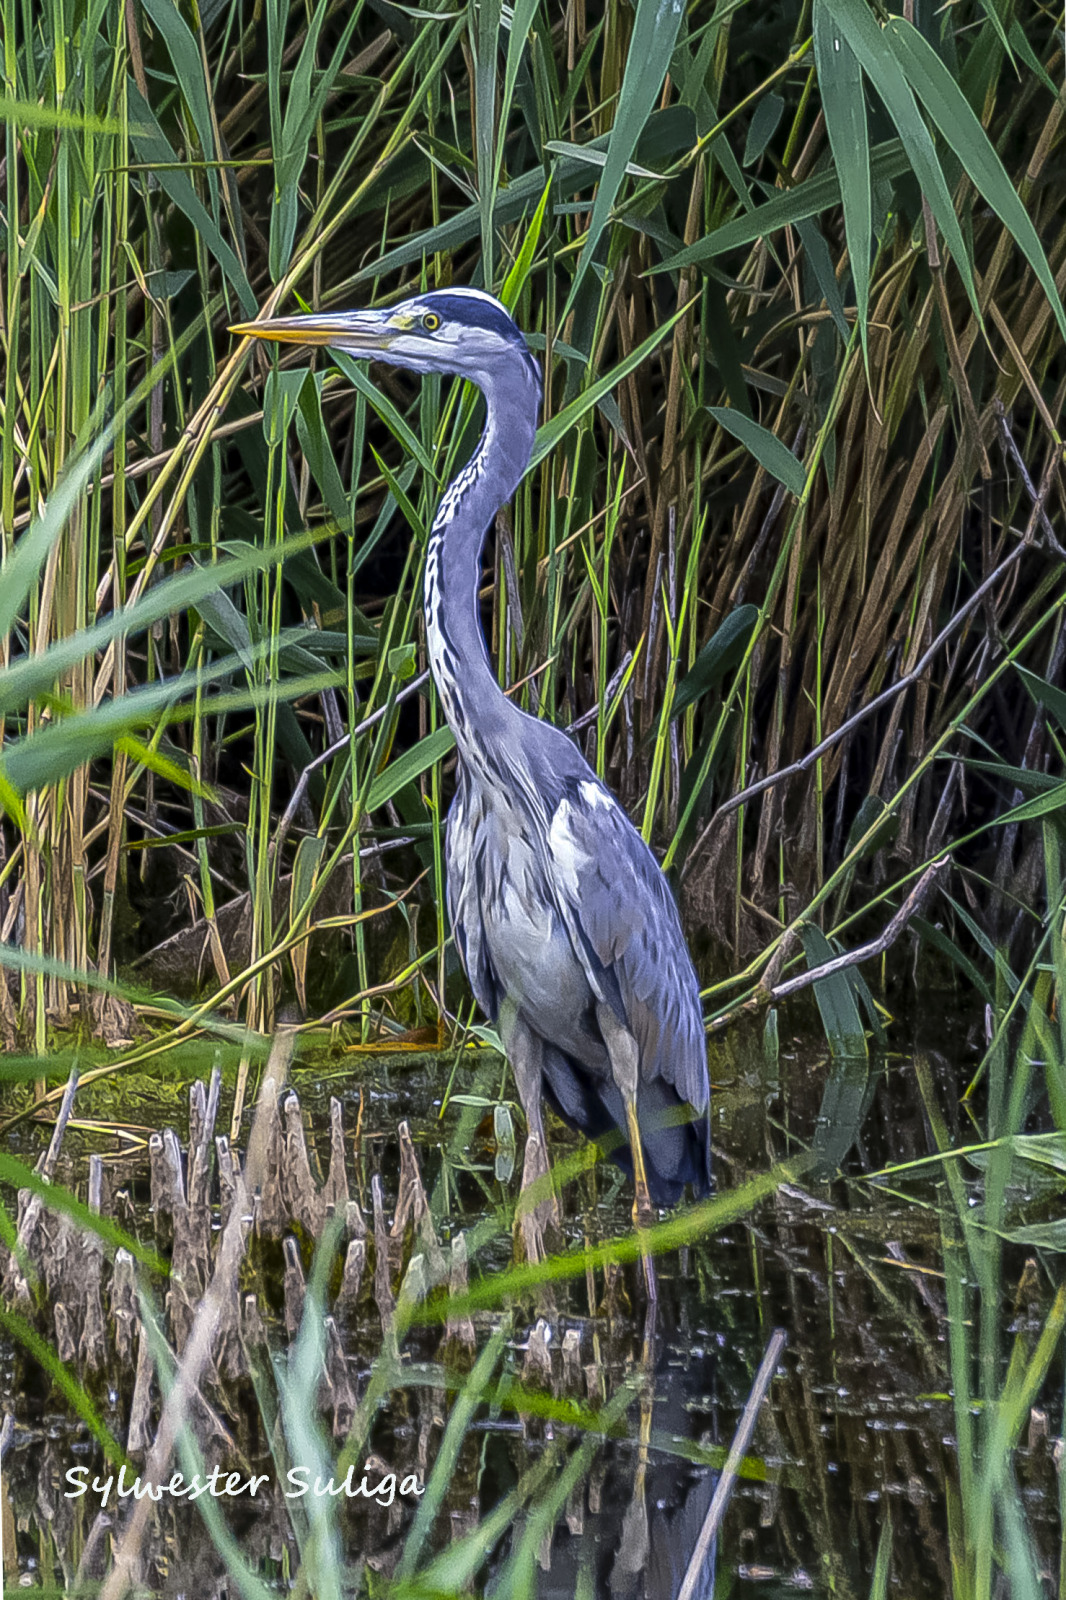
x=807, y=199
x=411, y=765
x=835, y=997
x=844, y=105
x=874, y=49
x=552, y=432
x=652, y=44
x=950, y=110
x=765, y=446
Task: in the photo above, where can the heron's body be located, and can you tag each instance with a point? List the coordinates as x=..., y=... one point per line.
x=542, y=962
x=563, y=920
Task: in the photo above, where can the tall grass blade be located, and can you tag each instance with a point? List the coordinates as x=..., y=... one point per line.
x=655, y=30
x=950, y=110
x=844, y=105
x=875, y=54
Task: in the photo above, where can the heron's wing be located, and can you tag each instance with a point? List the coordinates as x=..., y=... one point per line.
x=464, y=847
x=621, y=915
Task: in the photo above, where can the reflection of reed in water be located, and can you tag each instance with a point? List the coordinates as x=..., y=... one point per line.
x=859, y=1425
x=865, y=1425
x=237, y=1282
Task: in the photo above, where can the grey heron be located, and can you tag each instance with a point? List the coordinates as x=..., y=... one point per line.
x=562, y=917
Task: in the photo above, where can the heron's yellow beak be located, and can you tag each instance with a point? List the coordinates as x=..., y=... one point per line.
x=356, y=331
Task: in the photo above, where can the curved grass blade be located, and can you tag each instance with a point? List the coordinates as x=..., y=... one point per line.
x=765, y=446
x=462, y=1415
x=1045, y=694
x=314, y=440
x=877, y=57
x=189, y=73
x=1019, y=43
x=434, y=747
x=719, y=655
x=77, y=1397
x=950, y=110
x=523, y=262
x=821, y=263
x=62, y=747
x=879, y=1581
x=21, y=569
x=764, y=124
x=245, y=1582
x=298, y=1386
x=650, y=48
x=154, y=149
x=701, y=1220
x=807, y=199
x=55, y=1198
x=27, y=114
x=556, y=429
x=384, y=409
x=291, y=135
x=1043, y=805
x=33, y=675
x=666, y=135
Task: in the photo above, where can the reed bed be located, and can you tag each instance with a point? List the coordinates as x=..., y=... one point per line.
x=789, y=559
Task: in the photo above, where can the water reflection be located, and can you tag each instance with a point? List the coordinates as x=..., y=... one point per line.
x=858, y=1426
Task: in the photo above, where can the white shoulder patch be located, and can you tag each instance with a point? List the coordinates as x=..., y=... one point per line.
x=566, y=852
x=594, y=797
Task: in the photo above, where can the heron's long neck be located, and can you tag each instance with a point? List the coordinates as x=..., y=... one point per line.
x=476, y=708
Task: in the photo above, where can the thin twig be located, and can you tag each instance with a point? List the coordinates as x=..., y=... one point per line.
x=1036, y=497
x=593, y=712
x=765, y=994
x=737, y=1451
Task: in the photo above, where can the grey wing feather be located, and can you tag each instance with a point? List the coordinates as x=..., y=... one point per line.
x=463, y=851
x=618, y=902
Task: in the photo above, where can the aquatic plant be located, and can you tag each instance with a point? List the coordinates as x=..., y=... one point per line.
x=789, y=559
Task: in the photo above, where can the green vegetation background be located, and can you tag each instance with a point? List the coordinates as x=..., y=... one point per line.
x=789, y=553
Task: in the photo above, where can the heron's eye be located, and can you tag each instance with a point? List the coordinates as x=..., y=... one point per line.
x=430, y=321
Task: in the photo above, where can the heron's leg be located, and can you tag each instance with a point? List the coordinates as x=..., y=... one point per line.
x=625, y=1068
x=525, y=1052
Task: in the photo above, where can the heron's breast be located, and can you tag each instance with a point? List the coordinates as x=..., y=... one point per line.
x=531, y=952
x=520, y=921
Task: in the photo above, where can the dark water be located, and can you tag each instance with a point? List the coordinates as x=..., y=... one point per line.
x=858, y=1427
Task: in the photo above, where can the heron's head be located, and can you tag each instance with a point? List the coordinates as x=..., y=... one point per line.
x=462, y=331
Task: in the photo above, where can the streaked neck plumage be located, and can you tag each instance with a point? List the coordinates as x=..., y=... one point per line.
x=476, y=708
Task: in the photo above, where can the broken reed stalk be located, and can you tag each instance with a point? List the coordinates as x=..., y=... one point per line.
x=216, y=1339
x=769, y=993
x=16, y=1279
x=737, y=1451
x=194, y=1359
